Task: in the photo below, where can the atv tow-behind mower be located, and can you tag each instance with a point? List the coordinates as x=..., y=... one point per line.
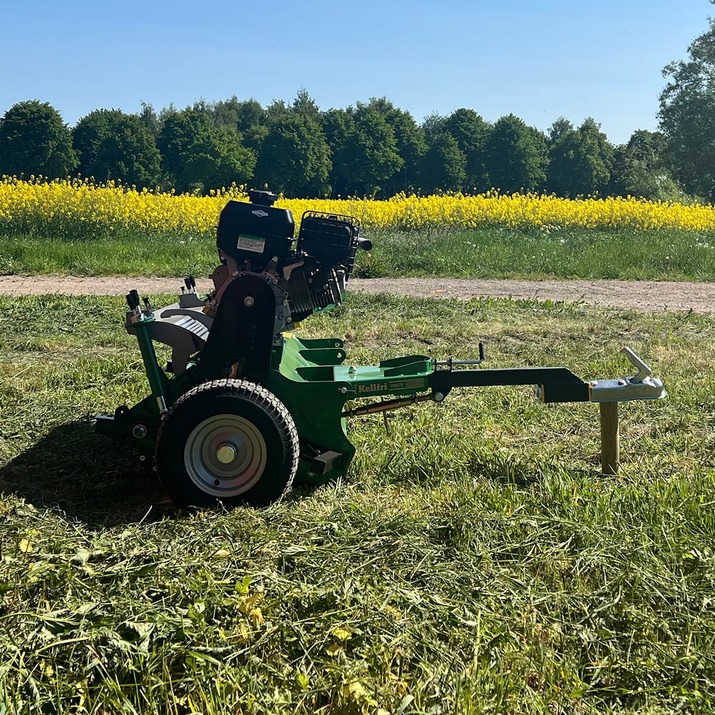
x=244, y=406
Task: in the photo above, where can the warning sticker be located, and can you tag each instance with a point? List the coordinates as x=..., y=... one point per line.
x=250, y=243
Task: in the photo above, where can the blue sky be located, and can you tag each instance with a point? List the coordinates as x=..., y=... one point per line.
x=539, y=59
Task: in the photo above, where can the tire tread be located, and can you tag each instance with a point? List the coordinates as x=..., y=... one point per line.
x=260, y=396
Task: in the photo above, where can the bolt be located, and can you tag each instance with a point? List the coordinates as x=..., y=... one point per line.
x=139, y=431
x=438, y=397
x=343, y=390
x=248, y=301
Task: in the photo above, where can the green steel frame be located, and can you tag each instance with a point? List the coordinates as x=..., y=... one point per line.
x=313, y=380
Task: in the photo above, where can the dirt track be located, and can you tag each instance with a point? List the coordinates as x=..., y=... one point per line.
x=639, y=295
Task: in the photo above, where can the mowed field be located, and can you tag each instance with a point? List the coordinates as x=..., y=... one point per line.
x=474, y=559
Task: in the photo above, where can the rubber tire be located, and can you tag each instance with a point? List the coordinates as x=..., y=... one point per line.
x=264, y=412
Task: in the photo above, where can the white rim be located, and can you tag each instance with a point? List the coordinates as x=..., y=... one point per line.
x=225, y=455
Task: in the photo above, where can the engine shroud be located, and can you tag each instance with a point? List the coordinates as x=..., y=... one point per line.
x=254, y=233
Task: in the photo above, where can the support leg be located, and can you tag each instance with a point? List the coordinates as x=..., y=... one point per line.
x=610, y=438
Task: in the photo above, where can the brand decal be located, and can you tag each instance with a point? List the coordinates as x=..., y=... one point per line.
x=371, y=387
x=260, y=213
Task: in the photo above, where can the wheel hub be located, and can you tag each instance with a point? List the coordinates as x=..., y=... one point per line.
x=225, y=455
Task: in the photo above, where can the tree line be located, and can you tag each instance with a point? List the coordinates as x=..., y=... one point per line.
x=374, y=148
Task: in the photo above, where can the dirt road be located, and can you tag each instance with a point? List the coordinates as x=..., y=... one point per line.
x=639, y=295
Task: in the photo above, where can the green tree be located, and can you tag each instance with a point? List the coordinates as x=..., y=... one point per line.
x=247, y=117
x=432, y=125
x=364, y=150
x=150, y=119
x=305, y=106
x=687, y=116
x=563, y=150
x=35, y=140
x=593, y=172
x=198, y=155
x=444, y=166
x=560, y=127
x=371, y=152
x=580, y=160
x=251, y=123
x=338, y=127
x=294, y=157
x=112, y=145
x=640, y=169
x=515, y=156
x=470, y=132
x=411, y=145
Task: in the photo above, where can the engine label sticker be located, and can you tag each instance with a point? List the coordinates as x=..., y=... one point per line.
x=250, y=243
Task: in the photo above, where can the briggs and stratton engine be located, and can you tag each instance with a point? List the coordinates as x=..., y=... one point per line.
x=258, y=238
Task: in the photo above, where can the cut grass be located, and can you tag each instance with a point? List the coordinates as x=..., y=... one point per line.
x=484, y=253
x=473, y=562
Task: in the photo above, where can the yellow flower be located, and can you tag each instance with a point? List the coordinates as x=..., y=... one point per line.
x=70, y=208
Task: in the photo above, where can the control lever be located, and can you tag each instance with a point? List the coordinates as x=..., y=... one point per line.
x=133, y=299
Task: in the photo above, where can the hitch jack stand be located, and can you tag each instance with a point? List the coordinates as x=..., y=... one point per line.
x=610, y=438
x=608, y=393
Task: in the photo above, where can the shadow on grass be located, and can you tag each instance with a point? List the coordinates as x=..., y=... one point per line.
x=86, y=476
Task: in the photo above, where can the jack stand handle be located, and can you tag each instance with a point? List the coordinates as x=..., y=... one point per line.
x=635, y=360
x=610, y=438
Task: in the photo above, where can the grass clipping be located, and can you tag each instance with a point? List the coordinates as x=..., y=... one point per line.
x=472, y=562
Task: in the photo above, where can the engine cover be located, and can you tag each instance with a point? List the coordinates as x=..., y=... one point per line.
x=255, y=233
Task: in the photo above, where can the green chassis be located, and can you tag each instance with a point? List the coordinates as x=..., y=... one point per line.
x=313, y=381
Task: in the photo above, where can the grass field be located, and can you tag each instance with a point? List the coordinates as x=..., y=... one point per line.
x=474, y=561
x=665, y=254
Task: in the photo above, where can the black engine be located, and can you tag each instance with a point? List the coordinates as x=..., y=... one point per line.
x=256, y=238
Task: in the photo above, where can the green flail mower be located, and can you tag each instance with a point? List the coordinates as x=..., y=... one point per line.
x=244, y=407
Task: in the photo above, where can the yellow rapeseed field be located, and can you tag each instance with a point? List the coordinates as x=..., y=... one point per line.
x=68, y=208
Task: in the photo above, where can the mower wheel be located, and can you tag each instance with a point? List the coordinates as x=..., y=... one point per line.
x=227, y=441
